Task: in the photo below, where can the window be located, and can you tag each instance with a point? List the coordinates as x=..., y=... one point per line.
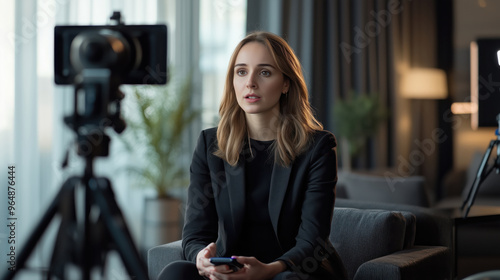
x=222, y=26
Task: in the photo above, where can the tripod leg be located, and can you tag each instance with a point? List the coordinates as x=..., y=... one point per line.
x=480, y=175
x=116, y=225
x=476, y=188
x=65, y=240
x=39, y=229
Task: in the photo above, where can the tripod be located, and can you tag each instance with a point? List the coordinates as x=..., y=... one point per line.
x=91, y=221
x=483, y=170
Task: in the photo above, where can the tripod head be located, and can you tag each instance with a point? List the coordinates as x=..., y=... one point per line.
x=96, y=106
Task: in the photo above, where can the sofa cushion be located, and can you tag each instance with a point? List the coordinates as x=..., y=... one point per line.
x=360, y=235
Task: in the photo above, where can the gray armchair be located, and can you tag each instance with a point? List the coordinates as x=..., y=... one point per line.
x=373, y=244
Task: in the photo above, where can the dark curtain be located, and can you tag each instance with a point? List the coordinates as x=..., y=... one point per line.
x=363, y=46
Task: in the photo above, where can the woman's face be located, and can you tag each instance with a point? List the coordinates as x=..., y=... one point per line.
x=257, y=82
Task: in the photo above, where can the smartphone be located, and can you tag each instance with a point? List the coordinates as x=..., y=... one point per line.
x=231, y=262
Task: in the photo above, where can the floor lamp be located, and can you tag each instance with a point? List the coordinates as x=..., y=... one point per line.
x=423, y=84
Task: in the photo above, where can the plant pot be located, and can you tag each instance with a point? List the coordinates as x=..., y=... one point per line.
x=161, y=222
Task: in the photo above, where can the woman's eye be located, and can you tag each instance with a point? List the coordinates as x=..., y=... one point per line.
x=265, y=73
x=241, y=72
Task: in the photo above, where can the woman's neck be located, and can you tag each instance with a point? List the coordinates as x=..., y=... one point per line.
x=262, y=128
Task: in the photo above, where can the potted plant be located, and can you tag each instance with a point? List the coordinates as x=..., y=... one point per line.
x=157, y=118
x=356, y=117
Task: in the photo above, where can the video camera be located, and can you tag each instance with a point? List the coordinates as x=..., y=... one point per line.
x=97, y=59
x=135, y=54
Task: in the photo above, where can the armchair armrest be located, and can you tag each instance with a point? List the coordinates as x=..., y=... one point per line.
x=420, y=262
x=160, y=256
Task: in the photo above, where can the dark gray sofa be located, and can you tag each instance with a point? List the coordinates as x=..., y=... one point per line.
x=375, y=241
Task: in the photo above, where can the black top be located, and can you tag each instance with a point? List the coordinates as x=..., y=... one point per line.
x=258, y=238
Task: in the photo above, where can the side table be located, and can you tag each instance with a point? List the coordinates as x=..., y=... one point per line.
x=476, y=240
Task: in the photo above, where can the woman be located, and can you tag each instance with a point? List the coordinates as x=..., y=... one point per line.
x=263, y=182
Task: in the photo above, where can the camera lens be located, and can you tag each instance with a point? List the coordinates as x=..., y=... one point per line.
x=93, y=52
x=105, y=49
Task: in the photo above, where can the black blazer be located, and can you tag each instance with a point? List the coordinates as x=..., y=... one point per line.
x=301, y=202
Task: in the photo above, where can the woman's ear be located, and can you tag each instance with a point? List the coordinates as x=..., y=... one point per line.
x=286, y=86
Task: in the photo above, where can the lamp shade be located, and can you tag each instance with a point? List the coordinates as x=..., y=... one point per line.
x=424, y=83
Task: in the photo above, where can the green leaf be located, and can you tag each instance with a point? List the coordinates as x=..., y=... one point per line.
x=358, y=117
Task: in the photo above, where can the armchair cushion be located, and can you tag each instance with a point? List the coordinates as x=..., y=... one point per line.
x=160, y=256
x=362, y=235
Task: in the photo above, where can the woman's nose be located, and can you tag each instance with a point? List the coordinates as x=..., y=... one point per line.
x=251, y=83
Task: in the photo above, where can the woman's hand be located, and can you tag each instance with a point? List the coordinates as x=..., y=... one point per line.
x=203, y=260
x=205, y=267
x=253, y=269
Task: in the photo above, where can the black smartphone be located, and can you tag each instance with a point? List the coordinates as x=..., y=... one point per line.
x=231, y=262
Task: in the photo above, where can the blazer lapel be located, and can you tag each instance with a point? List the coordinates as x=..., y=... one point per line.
x=279, y=184
x=235, y=180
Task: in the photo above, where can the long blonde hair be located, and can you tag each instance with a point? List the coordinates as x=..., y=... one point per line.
x=296, y=121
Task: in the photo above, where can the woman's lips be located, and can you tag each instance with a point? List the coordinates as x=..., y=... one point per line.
x=252, y=98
